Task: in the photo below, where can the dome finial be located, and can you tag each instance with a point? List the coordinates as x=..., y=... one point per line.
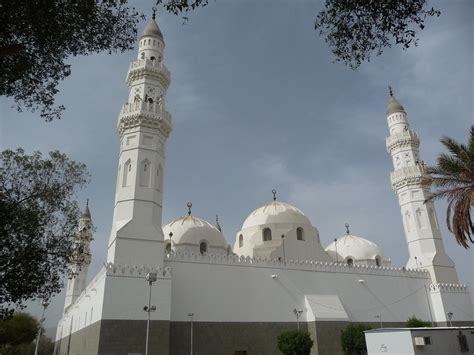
x=87, y=212
x=154, y=13
x=390, y=91
x=189, y=204
x=274, y=192
x=218, y=226
x=347, y=229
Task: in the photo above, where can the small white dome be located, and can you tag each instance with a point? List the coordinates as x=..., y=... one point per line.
x=356, y=248
x=190, y=230
x=275, y=212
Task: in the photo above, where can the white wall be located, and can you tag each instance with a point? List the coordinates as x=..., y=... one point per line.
x=215, y=289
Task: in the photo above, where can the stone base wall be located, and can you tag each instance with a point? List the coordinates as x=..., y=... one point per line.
x=125, y=337
x=228, y=338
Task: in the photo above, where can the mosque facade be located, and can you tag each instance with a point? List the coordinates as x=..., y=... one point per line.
x=277, y=276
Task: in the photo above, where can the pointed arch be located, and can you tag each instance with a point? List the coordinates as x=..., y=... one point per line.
x=407, y=221
x=420, y=218
x=267, y=234
x=127, y=168
x=159, y=178
x=299, y=233
x=145, y=169
x=203, y=247
x=241, y=241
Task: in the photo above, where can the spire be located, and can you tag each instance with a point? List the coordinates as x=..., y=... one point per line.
x=393, y=104
x=152, y=28
x=347, y=229
x=217, y=224
x=87, y=212
x=274, y=192
x=189, y=205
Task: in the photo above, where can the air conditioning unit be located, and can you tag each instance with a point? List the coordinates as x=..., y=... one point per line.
x=419, y=341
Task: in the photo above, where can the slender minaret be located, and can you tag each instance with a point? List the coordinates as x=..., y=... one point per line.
x=143, y=125
x=411, y=184
x=82, y=258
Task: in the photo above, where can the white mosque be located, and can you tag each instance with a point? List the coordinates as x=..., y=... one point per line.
x=277, y=276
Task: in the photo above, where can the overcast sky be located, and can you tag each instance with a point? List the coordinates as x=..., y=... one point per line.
x=257, y=103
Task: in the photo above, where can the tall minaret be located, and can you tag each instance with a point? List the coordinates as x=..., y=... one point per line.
x=82, y=259
x=143, y=125
x=411, y=183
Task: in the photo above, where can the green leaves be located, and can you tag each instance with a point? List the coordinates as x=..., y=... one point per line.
x=414, y=322
x=295, y=342
x=38, y=222
x=353, y=339
x=453, y=176
x=45, y=34
x=357, y=29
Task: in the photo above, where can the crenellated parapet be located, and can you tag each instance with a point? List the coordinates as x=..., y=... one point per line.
x=451, y=288
x=409, y=176
x=137, y=271
x=404, y=139
x=308, y=265
x=151, y=69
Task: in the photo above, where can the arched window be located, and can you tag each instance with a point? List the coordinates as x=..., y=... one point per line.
x=299, y=233
x=143, y=55
x=267, y=234
x=127, y=168
x=152, y=58
x=241, y=241
x=159, y=178
x=420, y=218
x=145, y=173
x=378, y=262
x=203, y=247
x=407, y=220
x=350, y=262
x=168, y=248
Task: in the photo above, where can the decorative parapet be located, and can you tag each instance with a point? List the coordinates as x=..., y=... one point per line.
x=135, y=271
x=452, y=288
x=407, y=138
x=308, y=265
x=409, y=175
x=150, y=68
x=147, y=114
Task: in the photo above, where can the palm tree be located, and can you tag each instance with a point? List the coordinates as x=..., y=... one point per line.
x=453, y=176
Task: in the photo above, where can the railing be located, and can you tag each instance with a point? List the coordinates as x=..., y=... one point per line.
x=402, y=137
x=146, y=107
x=408, y=172
x=149, y=64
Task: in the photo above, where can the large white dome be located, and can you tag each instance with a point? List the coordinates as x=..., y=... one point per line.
x=357, y=249
x=275, y=212
x=191, y=231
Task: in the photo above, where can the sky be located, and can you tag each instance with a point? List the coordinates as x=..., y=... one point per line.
x=257, y=104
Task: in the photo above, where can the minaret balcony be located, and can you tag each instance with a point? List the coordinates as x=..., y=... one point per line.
x=149, y=68
x=407, y=138
x=409, y=175
x=147, y=114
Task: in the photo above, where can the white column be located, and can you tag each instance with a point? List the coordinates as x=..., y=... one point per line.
x=144, y=126
x=411, y=184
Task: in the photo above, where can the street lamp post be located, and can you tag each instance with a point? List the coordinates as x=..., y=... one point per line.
x=283, y=243
x=379, y=317
x=450, y=317
x=297, y=313
x=191, y=315
x=150, y=277
x=45, y=304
